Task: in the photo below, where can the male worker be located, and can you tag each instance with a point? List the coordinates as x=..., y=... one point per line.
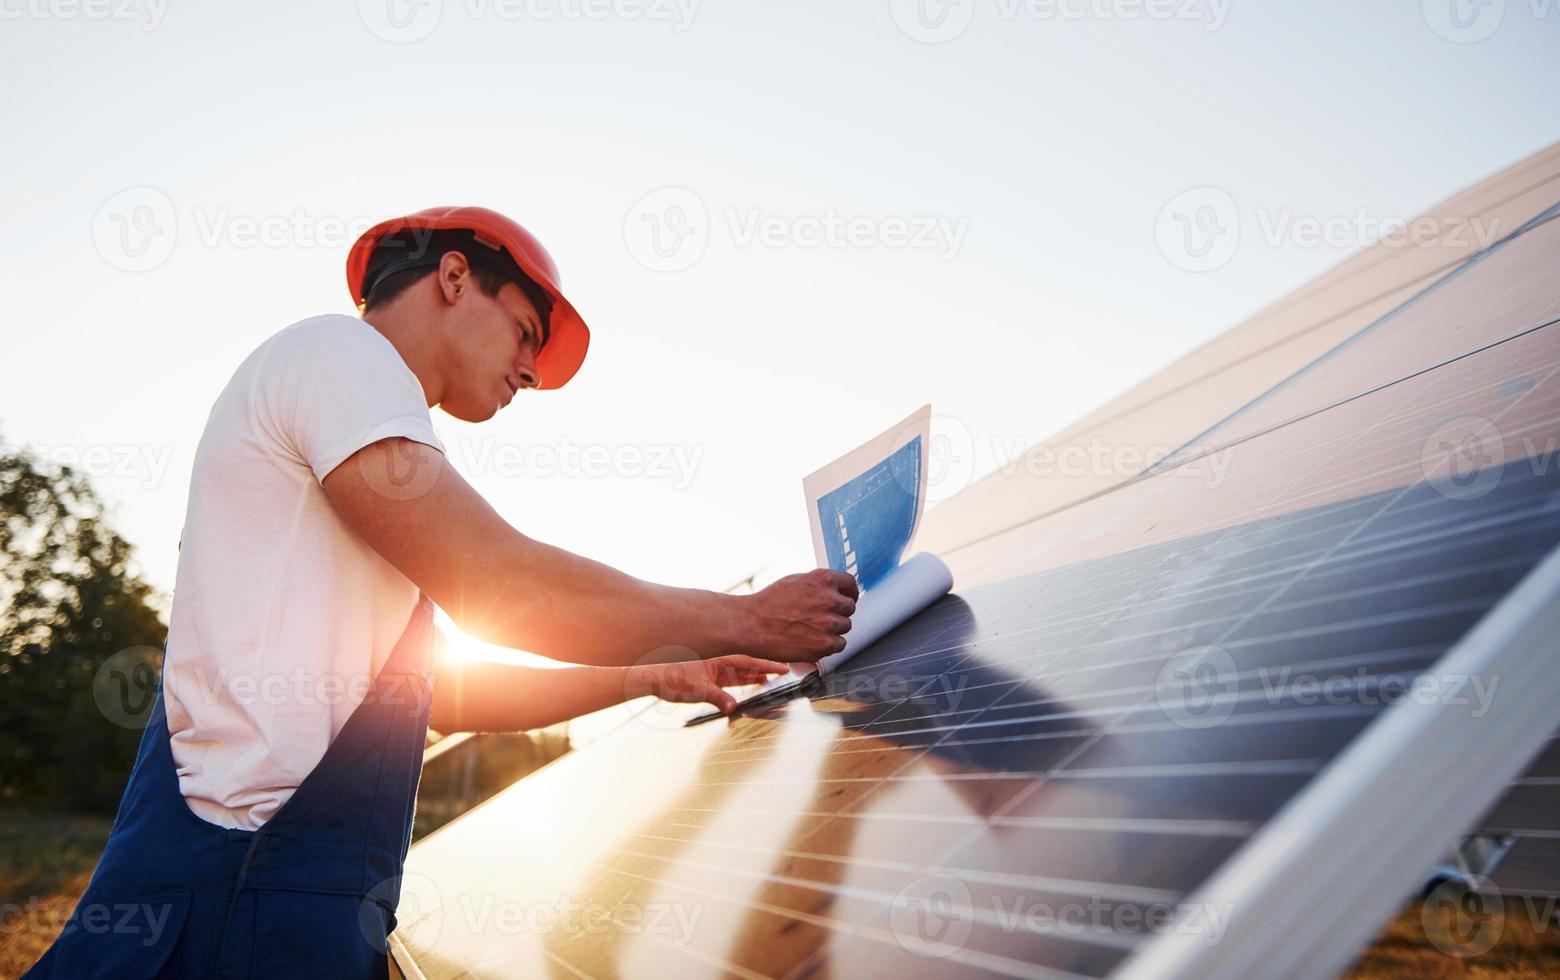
x=264, y=826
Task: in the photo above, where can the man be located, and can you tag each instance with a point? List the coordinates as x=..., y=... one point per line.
x=265, y=824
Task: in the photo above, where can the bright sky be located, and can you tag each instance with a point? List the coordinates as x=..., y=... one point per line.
x=788, y=224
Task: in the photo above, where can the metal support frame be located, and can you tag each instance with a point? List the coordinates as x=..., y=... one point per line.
x=1316, y=883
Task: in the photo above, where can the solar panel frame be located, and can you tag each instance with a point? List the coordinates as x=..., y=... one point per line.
x=1379, y=816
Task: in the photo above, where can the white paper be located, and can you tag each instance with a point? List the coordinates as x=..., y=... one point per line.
x=901, y=594
x=864, y=509
x=877, y=490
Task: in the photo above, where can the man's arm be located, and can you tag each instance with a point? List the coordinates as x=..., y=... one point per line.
x=410, y=505
x=483, y=696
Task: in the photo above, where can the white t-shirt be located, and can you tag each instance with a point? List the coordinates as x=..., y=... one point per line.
x=282, y=615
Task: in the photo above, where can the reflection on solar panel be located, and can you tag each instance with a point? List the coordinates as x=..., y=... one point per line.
x=1062, y=768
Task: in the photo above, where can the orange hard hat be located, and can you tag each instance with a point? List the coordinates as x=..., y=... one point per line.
x=567, y=335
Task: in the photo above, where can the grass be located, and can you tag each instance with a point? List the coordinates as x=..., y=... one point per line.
x=1525, y=937
x=46, y=861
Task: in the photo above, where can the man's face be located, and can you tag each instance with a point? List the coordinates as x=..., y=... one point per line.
x=493, y=343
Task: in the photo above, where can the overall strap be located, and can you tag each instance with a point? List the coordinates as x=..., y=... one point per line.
x=348, y=824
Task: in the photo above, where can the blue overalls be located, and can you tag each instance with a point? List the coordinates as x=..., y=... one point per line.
x=312, y=893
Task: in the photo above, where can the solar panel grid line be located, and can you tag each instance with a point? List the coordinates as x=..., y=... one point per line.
x=1374, y=478
x=1270, y=767
x=1382, y=810
x=1180, y=828
x=1367, y=474
x=1265, y=768
x=1257, y=673
x=1528, y=868
x=1090, y=426
x=1161, y=728
x=1247, y=695
x=980, y=915
x=558, y=960
x=1189, y=458
x=1545, y=375
x=1098, y=666
x=1508, y=523
x=1078, y=802
x=1002, y=965
x=1472, y=604
x=408, y=962
x=1034, y=882
x=1481, y=304
x=1370, y=260
x=949, y=818
x=1086, y=714
x=1217, y=585
x=1423, y=296
x=1527, y=810
x=1467, y=603
x=715, y=961
x=1488, y=566
x=1217, y=828
x=1006, y=688
x=1320, y=665
x=1079, y=613
x=1223, y=447
x=1505, y=376
x=1374, y=259
x=1404, y=468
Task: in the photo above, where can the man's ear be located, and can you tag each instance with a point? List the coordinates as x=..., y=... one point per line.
x=454, y=276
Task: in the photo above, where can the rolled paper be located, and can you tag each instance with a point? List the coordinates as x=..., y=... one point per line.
x=903, y=592
x=899, y=595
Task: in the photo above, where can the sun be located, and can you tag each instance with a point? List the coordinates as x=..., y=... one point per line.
x=469, y=649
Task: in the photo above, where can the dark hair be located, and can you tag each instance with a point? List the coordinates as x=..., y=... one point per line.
x=416, y=253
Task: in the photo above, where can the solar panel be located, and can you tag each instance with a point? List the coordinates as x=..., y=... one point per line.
x=1216, y=380
x=1060, y=769
x=1527, y=819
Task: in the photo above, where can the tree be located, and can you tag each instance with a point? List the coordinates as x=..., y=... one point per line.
x=79, y=635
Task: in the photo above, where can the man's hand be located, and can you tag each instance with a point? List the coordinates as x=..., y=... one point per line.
x=696, y=681
x=803, y=617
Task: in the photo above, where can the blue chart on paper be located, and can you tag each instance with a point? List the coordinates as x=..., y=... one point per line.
x=867, y=522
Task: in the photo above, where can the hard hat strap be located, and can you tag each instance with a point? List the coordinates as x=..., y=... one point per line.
x=398, y=265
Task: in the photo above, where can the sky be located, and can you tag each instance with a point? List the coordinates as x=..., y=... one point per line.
x=788, y=225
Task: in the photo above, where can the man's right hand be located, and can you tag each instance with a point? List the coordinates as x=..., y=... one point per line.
x=801, y=618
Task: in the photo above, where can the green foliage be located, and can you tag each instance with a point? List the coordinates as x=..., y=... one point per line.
x=69, y=600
